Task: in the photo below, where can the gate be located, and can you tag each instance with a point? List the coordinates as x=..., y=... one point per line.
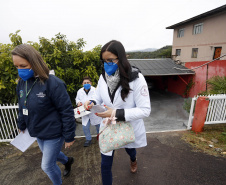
x=216, y=112
x=8, y=122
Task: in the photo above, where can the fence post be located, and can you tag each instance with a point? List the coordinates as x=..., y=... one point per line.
x=200, y=114
x=191, y=113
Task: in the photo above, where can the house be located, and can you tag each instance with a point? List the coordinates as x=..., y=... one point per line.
x=164, y=74
x=197, y=42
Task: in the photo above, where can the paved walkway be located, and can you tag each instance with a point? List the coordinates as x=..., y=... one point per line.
x=167, y=160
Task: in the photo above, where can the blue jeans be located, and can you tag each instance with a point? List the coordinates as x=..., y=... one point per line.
x=106, y=165
x=50, y=154
x=86, y=130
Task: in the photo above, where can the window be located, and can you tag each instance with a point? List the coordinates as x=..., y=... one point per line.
x=198, y=28
x=180, y=33
x=178, y=51
x=194, y=53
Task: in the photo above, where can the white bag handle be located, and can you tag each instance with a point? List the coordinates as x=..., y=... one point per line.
x=111, y=120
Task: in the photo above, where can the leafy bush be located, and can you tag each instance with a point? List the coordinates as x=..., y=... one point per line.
x=66, y=58
x=216, y=85
x=188, y=87
x=187, y=104
x=8, y=75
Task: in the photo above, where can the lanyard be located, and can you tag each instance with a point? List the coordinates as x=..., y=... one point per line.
x=27, y=93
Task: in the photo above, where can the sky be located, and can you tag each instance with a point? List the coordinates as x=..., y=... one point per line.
x=137, y=24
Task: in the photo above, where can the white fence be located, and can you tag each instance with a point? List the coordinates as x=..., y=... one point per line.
x=8, y=122
x=216, y=112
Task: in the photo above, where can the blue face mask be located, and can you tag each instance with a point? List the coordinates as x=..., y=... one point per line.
x=110, y=69
x=25, y=74
x=87, y=86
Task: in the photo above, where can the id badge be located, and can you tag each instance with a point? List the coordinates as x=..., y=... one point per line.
x=25, y=111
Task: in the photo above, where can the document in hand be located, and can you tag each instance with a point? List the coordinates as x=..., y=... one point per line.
x=80, y=111
x=97, y=109
x=23, y=140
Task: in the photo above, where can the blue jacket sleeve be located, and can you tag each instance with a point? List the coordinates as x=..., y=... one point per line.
x=62, y=102
x=20, y=121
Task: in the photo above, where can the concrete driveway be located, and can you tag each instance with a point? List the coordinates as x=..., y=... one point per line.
x=167, y=112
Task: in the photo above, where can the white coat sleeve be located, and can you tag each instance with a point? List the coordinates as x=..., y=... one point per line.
x=97, y=96
x=141, y=99
x=93, y=94
x=78, y=97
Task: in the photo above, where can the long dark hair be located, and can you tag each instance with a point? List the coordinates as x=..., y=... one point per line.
x=124, y=66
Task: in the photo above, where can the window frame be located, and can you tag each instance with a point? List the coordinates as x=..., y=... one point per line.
x=194, y=53
x=176, y=53
x=180, y=33
x=197, y=28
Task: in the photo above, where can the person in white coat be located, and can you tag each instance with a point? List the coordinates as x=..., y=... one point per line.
x=123, y=88
x=85, y=93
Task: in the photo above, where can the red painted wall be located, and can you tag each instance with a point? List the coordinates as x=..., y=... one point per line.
x=216, y=68
x=172, y=83
x=176, y=85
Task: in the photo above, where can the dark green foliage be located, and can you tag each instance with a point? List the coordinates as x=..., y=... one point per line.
x=8, y=72
x=68, y=60
x=216, y=85
x=188, y=87
x=164, y=52
x=187, y=104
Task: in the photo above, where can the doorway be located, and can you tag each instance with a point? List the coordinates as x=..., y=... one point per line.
x=217, y=52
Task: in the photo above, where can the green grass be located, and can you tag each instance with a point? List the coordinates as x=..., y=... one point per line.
x=201, y=141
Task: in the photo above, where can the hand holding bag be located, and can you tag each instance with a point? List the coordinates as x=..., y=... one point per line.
x=115, y=134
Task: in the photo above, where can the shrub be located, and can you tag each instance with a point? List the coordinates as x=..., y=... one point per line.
x=216, y=85
x=187, y=104
x=66, y=58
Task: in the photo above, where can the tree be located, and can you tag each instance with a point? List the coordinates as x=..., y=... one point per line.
x=66, y=58
x=8, y=75
x=164, y=52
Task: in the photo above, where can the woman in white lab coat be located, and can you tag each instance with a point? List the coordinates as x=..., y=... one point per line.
x=123, y=88
x=87, y=92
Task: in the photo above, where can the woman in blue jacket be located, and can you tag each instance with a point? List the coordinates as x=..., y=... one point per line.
x=45, y=110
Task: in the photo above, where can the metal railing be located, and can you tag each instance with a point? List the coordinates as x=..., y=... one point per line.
x=8, y=122
x=216, y=112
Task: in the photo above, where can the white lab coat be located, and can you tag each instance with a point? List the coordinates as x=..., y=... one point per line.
x=137, y=106
x=83, y=97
